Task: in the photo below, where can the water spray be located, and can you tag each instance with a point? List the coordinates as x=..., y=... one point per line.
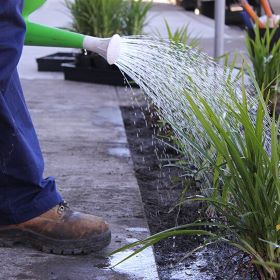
x=41, y=35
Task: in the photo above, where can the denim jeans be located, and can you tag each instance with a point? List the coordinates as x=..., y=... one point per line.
x=24, y=193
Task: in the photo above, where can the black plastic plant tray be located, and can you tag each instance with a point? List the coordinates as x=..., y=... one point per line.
x=96, y=75
x=53, y=62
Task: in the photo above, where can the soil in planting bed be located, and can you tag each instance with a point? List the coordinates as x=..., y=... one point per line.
x=161, y=190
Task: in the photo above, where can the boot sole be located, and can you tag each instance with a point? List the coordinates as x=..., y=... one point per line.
x=17, y=237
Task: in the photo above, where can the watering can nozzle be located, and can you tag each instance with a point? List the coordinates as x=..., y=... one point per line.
x=109, y=48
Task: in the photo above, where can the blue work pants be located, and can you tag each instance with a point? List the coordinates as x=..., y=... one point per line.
x=24, y=193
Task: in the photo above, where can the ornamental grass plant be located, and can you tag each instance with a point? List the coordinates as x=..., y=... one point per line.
x=181, y=35
x=248, y=195
x=135, y=15
x=263, y=46
x=246, y=184
x=104, y=18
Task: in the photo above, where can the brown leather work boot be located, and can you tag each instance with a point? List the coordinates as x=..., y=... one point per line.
x=59, y=231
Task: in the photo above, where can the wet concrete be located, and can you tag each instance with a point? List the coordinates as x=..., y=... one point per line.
x=84, y=143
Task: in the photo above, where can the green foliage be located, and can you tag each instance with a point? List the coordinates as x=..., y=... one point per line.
x=249, y=168
x=96, y=18
x=104, y=18
x=246, y=183
x=135, y=16
x=265, y=58
x=179, y=36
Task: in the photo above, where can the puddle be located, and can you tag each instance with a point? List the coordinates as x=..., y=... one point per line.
x=108, y=115
x=137, y=229
x=194, y=271
x=141, y=266
x=119, y=152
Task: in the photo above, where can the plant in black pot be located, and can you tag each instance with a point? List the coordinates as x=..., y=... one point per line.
x=263, y=45
x=103, y=18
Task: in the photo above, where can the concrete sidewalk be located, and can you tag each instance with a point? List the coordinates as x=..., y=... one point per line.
x=83, y=139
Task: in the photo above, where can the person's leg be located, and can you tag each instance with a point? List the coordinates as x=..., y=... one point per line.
x=31, y=209
x=24, y=194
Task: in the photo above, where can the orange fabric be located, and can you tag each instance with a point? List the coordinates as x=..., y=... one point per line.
x=251, y=13
x=266, y=8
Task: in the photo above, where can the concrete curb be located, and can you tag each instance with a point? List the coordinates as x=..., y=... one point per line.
x=83, y=139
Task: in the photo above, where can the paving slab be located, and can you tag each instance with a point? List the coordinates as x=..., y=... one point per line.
x=84, y=143
x=276, y=6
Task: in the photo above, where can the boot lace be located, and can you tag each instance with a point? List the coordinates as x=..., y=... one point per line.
x=62, y=207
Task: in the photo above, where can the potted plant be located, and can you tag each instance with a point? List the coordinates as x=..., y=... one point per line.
x=103, y=18
x=263, y=45
x=98, y=18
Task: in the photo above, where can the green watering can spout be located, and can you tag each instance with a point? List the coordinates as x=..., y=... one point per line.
x=41, y=35
x=31, y=6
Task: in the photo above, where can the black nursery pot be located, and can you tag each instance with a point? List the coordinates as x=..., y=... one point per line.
x=274, y=40
x=92, y=68
x=53, y=62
